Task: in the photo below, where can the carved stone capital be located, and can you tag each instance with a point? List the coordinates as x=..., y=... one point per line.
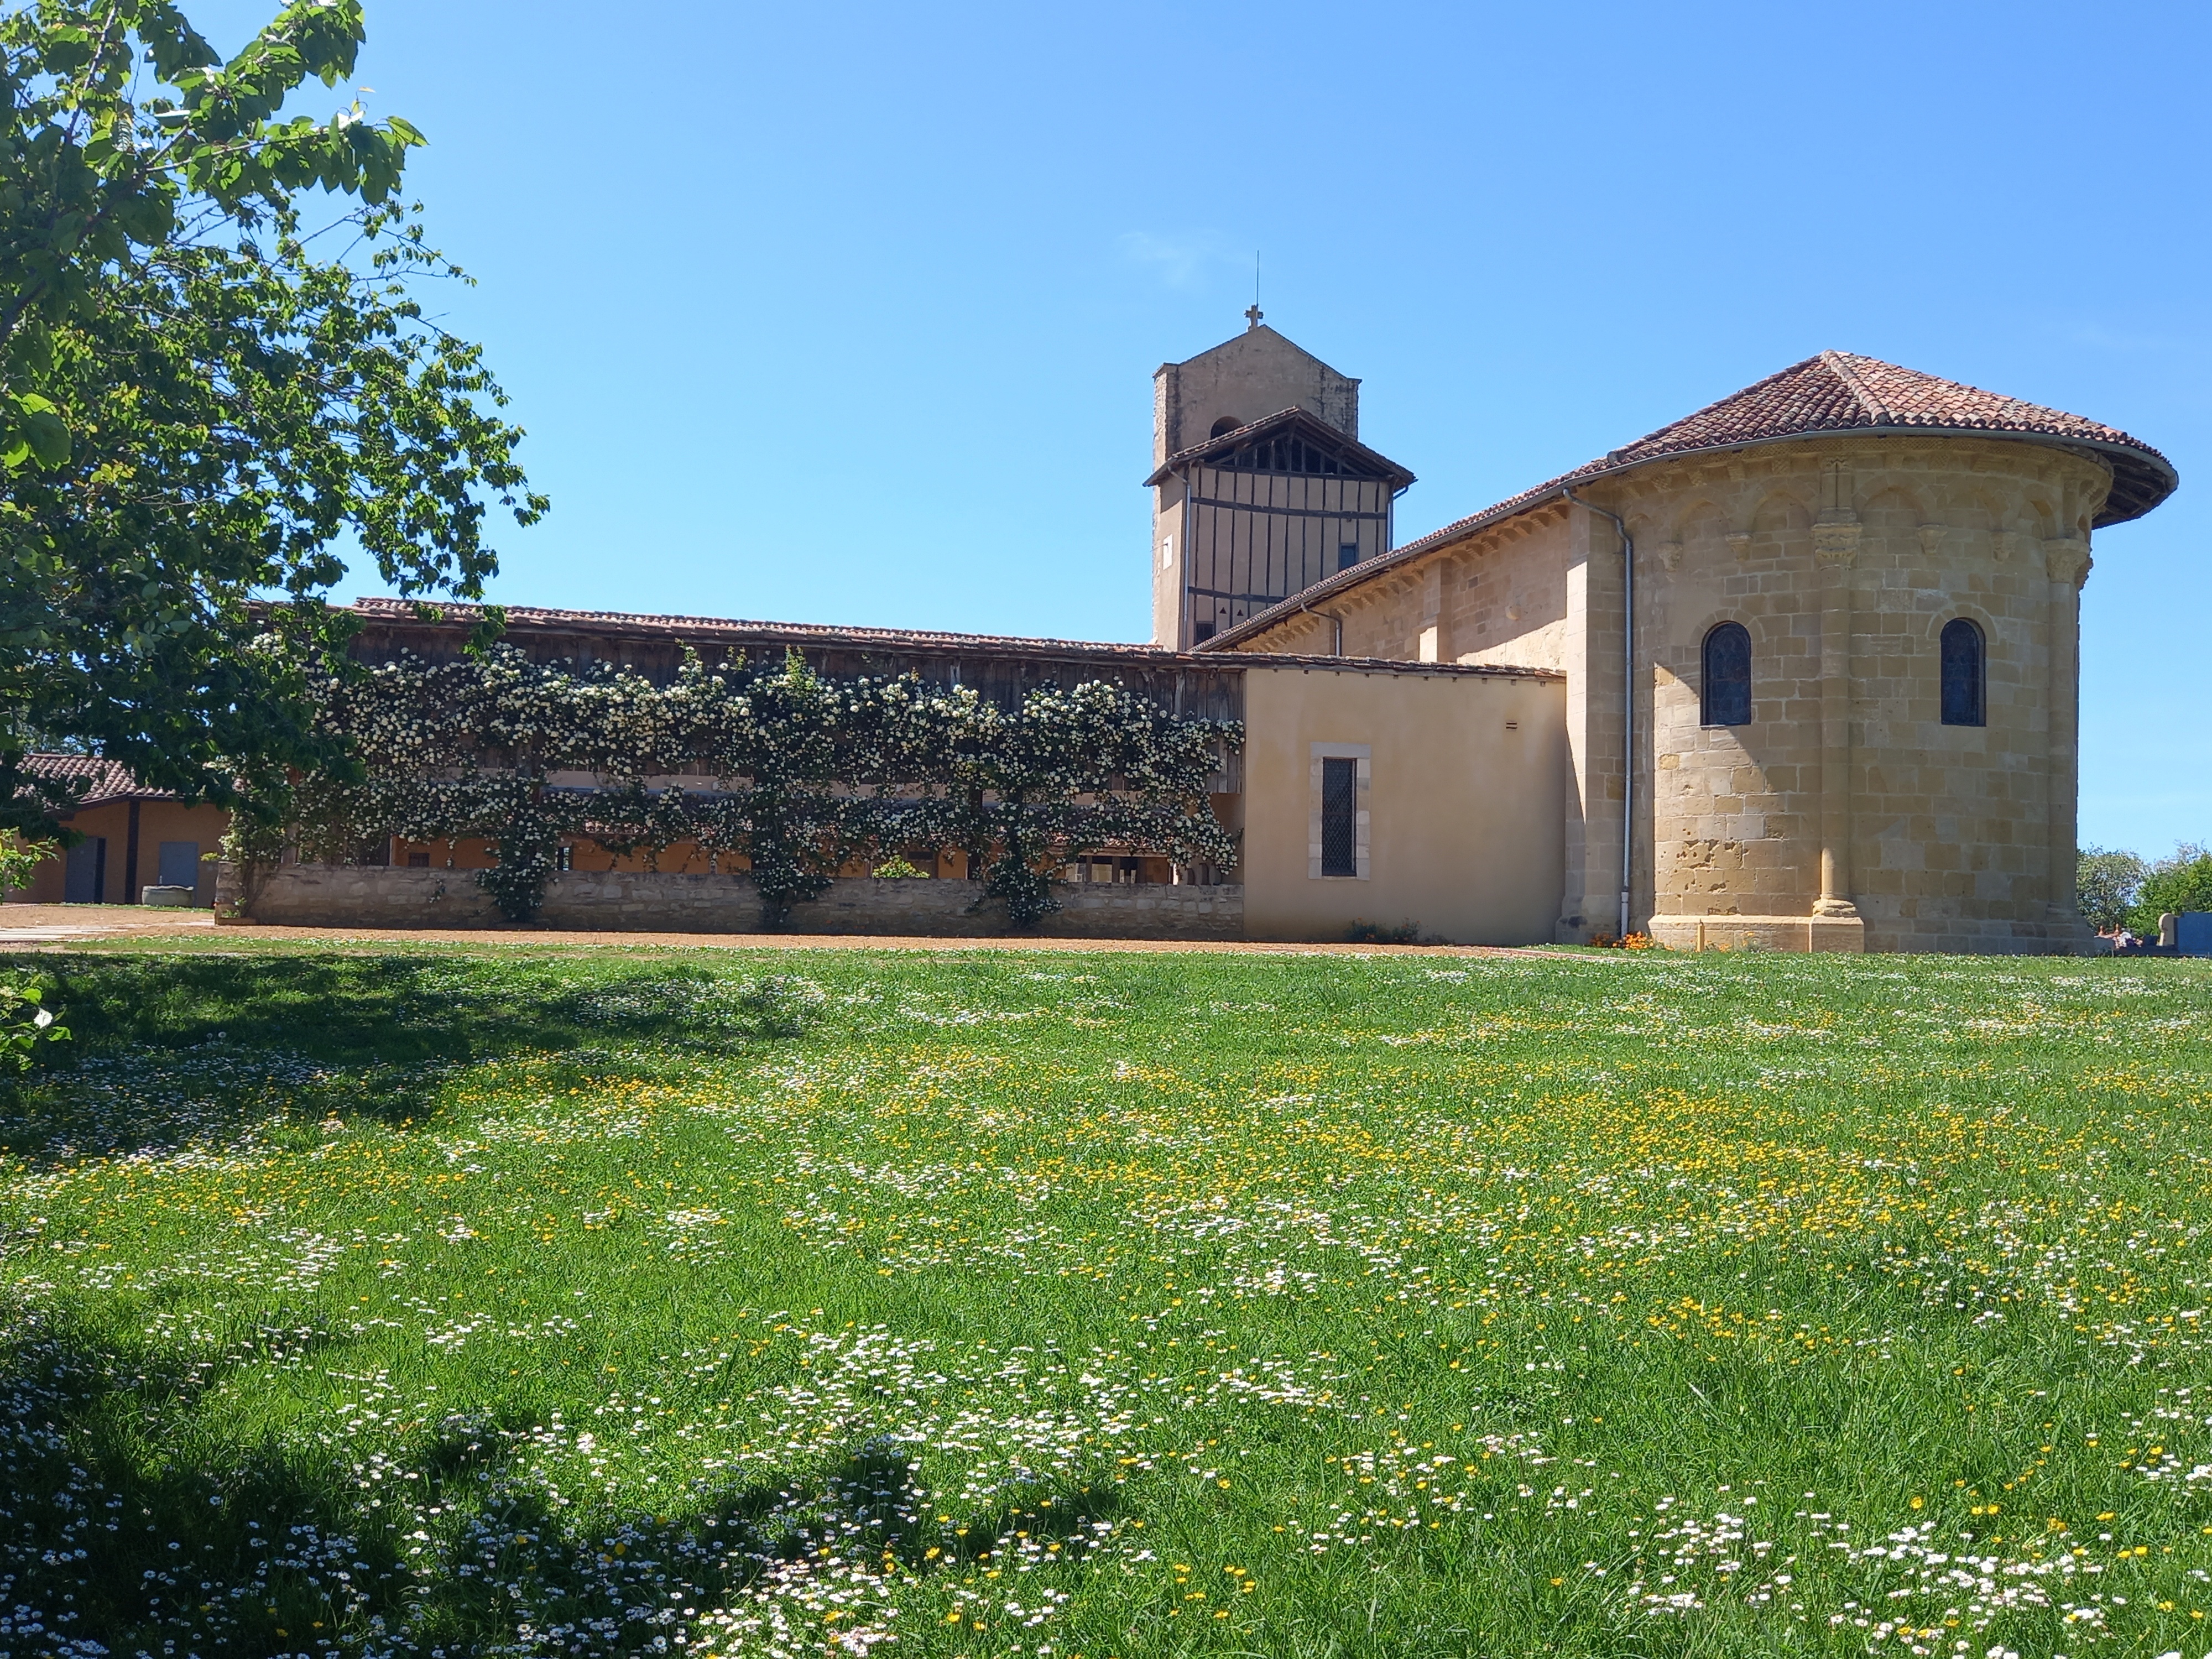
x=1837, y=543
x=1931, y=537
x=1739, y=543
x=1670, y=554
x=2066, y=559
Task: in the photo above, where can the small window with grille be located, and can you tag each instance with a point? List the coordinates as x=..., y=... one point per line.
x=1724, y=698
x=1337, y=844
x=1340, y=790
x=1963, y=673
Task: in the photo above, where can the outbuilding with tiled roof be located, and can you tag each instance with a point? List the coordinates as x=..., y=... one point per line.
x=128, y=837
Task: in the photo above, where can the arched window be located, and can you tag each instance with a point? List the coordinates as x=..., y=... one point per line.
x=1963, y=673
x=1225, y=425
x=1724, y=693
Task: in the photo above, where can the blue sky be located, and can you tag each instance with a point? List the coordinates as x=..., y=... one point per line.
x=848, y=313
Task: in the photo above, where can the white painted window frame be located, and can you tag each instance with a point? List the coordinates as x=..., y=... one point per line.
x=1362, y=782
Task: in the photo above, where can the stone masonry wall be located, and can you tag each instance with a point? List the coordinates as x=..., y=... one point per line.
x=1498, y=598
x=1950, y=835
x=333, y=896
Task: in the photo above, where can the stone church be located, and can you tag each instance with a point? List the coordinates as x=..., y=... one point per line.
x=1798, y=672
x=1820, y=640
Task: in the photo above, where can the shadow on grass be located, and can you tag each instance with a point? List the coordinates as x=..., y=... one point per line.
x=117, y=1532
x=132, y=1522
x=168, y=1049
x=399, y=1010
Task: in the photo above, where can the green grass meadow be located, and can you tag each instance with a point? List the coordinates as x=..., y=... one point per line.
x=511, y=1301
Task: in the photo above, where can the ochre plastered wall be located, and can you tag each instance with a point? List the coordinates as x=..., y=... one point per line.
x=1465, y=774
x=158, y=821
x=1541, y=590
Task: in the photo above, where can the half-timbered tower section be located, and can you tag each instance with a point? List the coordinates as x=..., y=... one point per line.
x=1260, y=485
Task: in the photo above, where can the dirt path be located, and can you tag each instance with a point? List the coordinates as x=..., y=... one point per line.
x=59, y=926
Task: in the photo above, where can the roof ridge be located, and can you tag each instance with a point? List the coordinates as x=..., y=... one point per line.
x=1838, y=364
x=1294, y=412
x=383, y=607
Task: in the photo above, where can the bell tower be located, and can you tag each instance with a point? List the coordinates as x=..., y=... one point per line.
x=1260, y=485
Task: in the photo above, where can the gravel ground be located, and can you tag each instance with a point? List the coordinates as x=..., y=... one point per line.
x=51, y=926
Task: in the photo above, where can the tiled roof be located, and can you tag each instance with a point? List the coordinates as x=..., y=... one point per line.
x=1841, y=392
x=1398, y=475
x=1834, y=392
x=625, y=625
x=93, y=778
x=736, y=630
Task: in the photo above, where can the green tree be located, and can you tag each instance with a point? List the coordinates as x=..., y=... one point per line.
x=2105, y=885
x=198, y=406
x=2181, y=883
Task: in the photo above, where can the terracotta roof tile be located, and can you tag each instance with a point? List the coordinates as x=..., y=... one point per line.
x=630, y=624
x=98, y=778
x=1841, y=392
x=736, y=629
x=1834, y=392
x=1293, y=417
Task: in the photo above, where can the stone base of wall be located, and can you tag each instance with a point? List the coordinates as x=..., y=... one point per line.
x=1935, y=935
x=1798, y=933
x=336, y=896
x=1984, y=939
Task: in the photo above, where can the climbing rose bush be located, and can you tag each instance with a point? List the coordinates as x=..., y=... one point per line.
x=792, y=772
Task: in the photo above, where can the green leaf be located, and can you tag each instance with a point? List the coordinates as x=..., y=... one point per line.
x=48, y=436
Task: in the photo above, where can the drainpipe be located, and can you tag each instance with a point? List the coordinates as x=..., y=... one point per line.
x=130, y=858
x=1627, y=699
x=1332, y=616
x=1185, y=603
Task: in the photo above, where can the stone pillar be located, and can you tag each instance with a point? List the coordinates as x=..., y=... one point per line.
x=1591, y=658
x=1430, y=643
x=2066, y=562
x=1835, y=545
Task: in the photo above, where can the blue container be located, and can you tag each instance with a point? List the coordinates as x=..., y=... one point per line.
x=2192, y=933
